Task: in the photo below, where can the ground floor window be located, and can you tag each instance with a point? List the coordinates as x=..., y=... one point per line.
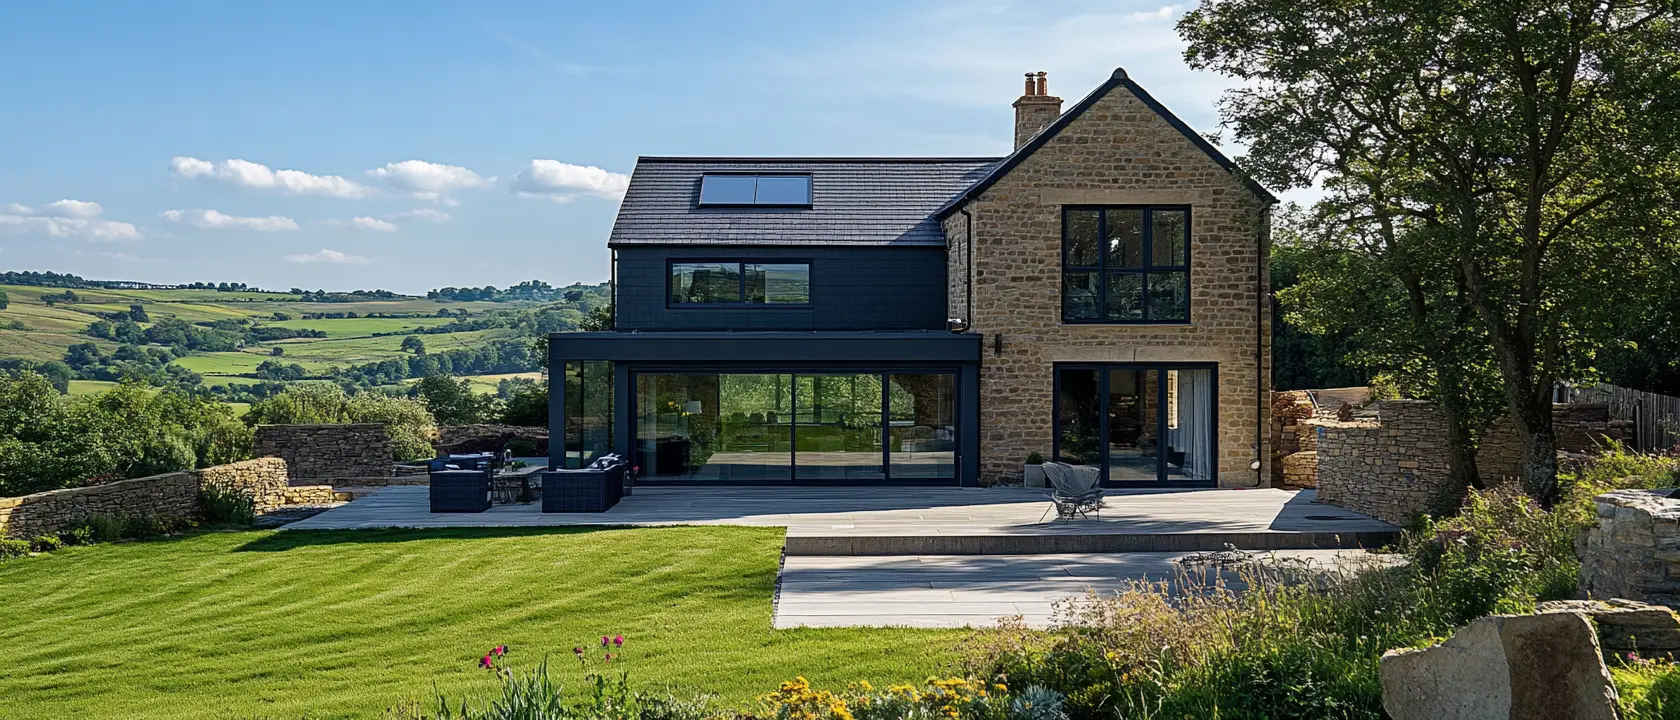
x=1138, y=423
x=780, y=427
x=588, y=411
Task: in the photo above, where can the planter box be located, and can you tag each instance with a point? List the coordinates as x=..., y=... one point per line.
x=1033, y=476
x=460, y=491
x=582, y=491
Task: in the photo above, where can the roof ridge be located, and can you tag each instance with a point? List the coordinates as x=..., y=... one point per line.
x=1118, y=79
x=812, y=159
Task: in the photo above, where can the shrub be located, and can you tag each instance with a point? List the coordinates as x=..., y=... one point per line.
x=45, y=543
x=223, y=505
x=49, y=442
x=106, y=528
x=1035, y=458
x=13, y=548
x=1501, y=553
x=522, y=447
x=78, y=535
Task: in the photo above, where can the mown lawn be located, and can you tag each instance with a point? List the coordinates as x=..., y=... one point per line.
x=327, y=624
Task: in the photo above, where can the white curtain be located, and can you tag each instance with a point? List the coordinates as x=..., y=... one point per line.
x=1194, y=435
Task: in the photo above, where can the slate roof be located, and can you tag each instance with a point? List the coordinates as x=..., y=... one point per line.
x=855, y=201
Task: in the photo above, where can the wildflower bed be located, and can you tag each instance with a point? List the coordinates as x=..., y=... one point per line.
x=351, y=623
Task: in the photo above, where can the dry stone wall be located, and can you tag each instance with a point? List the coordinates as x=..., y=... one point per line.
x=1634, y=550
x=1392, y=469
x=1579, y=429
x=328, y=452
x=1119, y=152
x=168, y=495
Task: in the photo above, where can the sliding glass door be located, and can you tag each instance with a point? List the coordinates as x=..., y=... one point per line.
x=1139, y=424
x=820, y=428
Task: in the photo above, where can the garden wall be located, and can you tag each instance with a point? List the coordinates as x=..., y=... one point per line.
x=1579, y=428
x=328, y=452
x=1634, y=550
x=1392, y=468
x=170, y=494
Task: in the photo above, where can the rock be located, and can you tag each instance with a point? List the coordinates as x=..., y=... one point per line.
x=1503, y=667
x=1626, y=626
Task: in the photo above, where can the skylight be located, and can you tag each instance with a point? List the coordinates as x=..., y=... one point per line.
x=755, y=190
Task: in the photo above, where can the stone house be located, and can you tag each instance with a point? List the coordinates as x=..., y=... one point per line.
x=1097, y=296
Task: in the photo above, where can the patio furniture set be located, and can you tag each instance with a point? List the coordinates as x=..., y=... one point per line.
x=473, y=483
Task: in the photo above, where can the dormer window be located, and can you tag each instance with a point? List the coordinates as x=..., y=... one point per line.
x=737, y=190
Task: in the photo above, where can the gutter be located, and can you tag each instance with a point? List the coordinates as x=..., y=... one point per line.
x=968, y=277
x=1262, y=305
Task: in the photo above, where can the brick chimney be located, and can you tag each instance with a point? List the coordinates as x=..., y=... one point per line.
x=1035, y=109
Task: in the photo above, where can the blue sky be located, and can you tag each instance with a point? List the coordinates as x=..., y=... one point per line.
x=415, y=145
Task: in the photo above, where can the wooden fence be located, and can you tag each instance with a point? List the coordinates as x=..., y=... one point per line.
x=1655, y=418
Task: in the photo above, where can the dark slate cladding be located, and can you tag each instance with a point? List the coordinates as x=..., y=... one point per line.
x=855, y=201
x=852, y=288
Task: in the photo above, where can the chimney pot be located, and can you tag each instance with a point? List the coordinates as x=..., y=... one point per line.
x=1036, y=109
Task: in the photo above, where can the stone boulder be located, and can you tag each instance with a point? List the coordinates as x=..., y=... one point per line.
x=487, y=438
x=1503, y=667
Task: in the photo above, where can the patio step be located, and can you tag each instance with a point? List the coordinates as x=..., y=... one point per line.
x=1073, y=541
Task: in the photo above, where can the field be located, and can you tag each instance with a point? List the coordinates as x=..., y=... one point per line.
x=48, y=330
x=347, y=624
x=360, y=327
x=490, y=384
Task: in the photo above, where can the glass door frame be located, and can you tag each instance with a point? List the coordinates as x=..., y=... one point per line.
x=1103, y=414
x=884, y=372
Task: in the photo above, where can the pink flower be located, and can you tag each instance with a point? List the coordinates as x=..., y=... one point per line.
x=609, y=657
x=486, y=663
x=618, y=641
x=605, y=640
x=500, y=650
x=578, y=651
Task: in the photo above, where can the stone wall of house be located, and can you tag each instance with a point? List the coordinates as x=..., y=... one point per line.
x=170, y=494
x=1392, y=469
x=1634, y=550
x=328, y=452
x=1119, y=152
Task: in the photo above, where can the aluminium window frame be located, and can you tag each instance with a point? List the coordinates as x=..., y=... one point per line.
x=1145, y=271
x=742, y=304
x=1105, y=418
x=700, y=188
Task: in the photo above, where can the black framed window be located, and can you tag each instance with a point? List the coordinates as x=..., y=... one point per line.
x=744, y=190
x=711, y=283
x=1126, y=264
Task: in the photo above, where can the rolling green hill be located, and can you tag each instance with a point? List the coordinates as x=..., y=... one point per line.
x=41, y=323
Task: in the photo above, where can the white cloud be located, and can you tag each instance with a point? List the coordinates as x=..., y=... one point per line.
x=67, y=218
x=374, y=224
x=555, y=180
x=423, y=214
x=190, y=167
x=213, y=220
x=324, y=255
x=244, y=173
x=427, y=180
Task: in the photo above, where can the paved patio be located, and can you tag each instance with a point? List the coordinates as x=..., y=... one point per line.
x=929, y=521
x=977, y=590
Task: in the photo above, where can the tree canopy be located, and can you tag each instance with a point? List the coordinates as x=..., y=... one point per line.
x=1517, y=161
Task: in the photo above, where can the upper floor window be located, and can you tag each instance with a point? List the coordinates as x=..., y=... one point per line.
x=1128, y=264
x=735, y=190
x=740, y=283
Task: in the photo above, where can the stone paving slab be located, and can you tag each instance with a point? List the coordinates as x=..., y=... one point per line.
x=929, y=521
x=966, y=591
